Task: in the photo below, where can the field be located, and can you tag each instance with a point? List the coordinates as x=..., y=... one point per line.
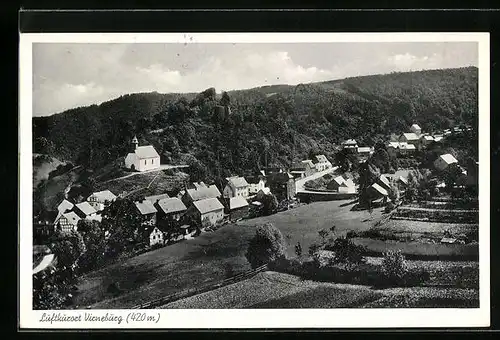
x=278, y=290
x=209, y=257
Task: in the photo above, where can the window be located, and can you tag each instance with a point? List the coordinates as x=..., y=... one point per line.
x=152, y=160
x=144, y=162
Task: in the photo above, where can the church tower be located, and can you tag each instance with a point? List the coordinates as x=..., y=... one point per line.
x=135, y=142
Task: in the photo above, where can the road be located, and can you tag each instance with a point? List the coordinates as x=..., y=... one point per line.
x=162, y=167
x=299, y=184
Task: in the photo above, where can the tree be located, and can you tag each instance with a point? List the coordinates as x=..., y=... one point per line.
x=266, y=246
x=225, y=100
x=67, y=247
x=298, y=249
x=394, y=193
x=122, y=222
x=269, y=204
x=95, y=243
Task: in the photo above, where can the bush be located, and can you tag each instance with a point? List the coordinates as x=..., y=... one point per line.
x=394, y=267
x=346, y=251
x=266, y=246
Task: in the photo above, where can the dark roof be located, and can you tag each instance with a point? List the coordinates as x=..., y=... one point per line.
x=204, y=193
x=237, y=182
x=171, y=205
x=208, y=205
x=147, y=151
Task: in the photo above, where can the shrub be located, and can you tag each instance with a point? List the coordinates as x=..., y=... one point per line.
x=266, y=246
x=394, y=267
x=346, y=251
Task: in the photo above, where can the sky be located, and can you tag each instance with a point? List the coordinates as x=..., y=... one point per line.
x=66, y=76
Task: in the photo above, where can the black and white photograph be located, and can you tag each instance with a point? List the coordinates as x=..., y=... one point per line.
x=199, y=176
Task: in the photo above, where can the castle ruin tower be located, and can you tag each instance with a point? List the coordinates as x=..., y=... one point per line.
x=135, y=142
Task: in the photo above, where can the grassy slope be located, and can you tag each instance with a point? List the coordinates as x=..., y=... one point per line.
x=211, y=256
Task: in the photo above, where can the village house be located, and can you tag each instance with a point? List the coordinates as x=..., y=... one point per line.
x=43, y=224
x=200, y=192
x=64, y=206
x=282, y=185
x=348, y=187
x=401, y=183
x=147, y=211
x=261, y=193
x=425, y=140
x=98, y=200
x=405, y=149
x=416, y=129
x=67, y=222
x=237, y=208
x=392, y=148
x=335, y=183
x=84, y=209
x=255, y=183
x=409, y=138
x=443, y=161
x=350, y=144
x=152, y=236
x=169, y=210
x=143, y=158
x=364, y=152
x=207, y=211
x=321, y=162
x=235, y=186
x=303, y=168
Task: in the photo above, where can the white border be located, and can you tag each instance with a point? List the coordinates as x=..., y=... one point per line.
x=252, y=318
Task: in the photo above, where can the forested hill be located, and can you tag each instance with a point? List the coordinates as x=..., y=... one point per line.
x=274, y=124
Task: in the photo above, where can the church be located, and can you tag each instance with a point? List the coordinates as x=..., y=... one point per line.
x=143, y=158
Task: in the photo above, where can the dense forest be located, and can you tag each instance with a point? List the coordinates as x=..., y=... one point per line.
x=273, y=125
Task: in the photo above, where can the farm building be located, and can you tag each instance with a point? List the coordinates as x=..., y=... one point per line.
x=84, y=209
x=200, y=193
x=238, y=207
x=443, y=161
x=209, y=211
x=67, y=222
x=98, y=200
x=147, y=211
x=322, y=163
x=143, y=158
x=335, y=183
x=236, y=186
x=170, y=209
x=255, y=183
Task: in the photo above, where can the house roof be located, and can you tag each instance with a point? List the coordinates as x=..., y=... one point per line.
x=393, y=144
x=428, y=138
x=379, y=189
x=406, y=146
x=339, y=180
x=102, y=196
x=155, y=198
x=95, y=217
x=321, y=159
x=146, y=151
x=349, y=142
x=207, y=205
x=384, y=180
x=349, y=182
x=86, y=208
x=237, y=202
x=199, y=185
x=204, y=193
x=171, y=205
x=44, y=264
x=72, y=218
x=403, y=179
x=145, y=207
x=237, y=182
x=64, y=206
x=410, y=136
x=364, y=149
x=448, y=158
x=308, y=162
x=415, y=126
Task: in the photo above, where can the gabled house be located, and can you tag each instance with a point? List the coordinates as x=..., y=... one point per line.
x=416, y=129
x=84, y=209
x=67, y=222
x=98, y=200
x=208, y=211
x=401, y=182
x=392, y=148
x=143, y=158
x=147, y=211
x=235, y=186
x=255, y=183
x=303, y=168
x=200, y=193
x=43, y=224
x=321, y=162
x=335, y=183
x=409, y=138
x=406, y=148
x=350, y=144
x=347, y=187
x=169, y=209
x=443, y=161
x=64, y=206
x=426, y=140
x=237, y=208
x=375, y=191
x=152, y=235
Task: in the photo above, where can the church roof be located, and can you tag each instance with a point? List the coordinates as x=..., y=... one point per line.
x=146, y=151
